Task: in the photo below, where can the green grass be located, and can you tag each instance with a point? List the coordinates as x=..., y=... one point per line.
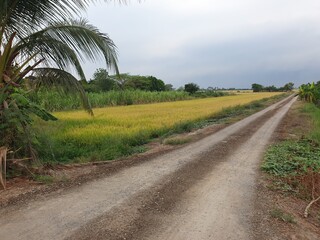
x=53, y=101
x=46, y=179
x=295, y=164
x=292, y=158
x=177, y=141
x=314, y=113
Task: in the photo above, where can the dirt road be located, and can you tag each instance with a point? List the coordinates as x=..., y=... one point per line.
x=205, y=190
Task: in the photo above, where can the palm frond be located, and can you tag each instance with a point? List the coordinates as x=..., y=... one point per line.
x=62, y=81
x=52, y=50
x=85, y=39
x=24, y=15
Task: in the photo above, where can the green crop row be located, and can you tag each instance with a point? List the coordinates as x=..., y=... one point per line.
x=52, y=101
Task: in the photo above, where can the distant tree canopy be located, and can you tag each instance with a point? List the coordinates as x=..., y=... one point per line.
x=191, y=88
x=288, y=86
x=102, y=82
x=146, y=83
x=259, y=88
x=169, y=87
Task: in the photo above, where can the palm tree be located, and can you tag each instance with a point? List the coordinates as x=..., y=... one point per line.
x=40, y=39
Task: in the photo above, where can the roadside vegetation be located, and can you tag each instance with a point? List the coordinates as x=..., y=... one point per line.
x=295, y=163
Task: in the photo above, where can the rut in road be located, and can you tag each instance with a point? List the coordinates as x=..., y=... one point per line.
x=73, y=214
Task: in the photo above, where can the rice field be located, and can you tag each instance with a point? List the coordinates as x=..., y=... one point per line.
x=121, y=130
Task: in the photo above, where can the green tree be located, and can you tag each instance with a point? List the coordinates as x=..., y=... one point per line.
x=168, y=87
x=257, y=87
x=145, y=83
x=191, y=88
x=40, y=38
x=288, y=87
x=102, y=80
x=271, y=89
x=156, y=85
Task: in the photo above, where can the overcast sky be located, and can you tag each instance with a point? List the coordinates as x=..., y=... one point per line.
x=225, y=43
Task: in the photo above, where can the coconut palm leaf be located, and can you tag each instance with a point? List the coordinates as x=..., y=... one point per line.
x=53, y=51
x=85, y=39
x=66, y=42
x=22, y=15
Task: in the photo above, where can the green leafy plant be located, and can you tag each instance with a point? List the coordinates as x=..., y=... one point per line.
x=39, y=41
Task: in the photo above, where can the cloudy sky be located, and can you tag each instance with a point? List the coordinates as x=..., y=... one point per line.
x=225, y=43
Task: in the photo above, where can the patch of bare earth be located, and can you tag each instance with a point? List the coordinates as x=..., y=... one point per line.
x=294, y=126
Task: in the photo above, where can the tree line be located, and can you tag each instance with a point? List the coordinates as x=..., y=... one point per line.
x=103, y=82
x=260, y=88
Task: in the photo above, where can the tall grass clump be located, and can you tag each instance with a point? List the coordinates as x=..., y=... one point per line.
x=314, y=112
x=52, y=101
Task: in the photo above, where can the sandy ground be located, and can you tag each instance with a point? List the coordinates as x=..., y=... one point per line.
x=205, y=190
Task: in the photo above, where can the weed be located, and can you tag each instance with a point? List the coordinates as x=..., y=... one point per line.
x=46, y=179
x=281, y=215
x=295, y=165
x=177, y=141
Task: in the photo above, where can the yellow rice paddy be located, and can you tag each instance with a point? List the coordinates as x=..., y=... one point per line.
x=130, y=120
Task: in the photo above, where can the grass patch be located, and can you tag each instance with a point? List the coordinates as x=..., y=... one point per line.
x=46, y=179
x=177, y=141
x=314, y=113
x=281, y=215
x=295, y=164
x=292, y=158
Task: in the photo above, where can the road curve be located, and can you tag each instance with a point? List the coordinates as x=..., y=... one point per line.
x=216, y=206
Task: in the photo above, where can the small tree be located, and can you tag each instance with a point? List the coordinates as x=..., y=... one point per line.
x=102, y=80
x=156, y=84
x=288, y=87
x=191, y=88
x=257, y=87
x=168, y=87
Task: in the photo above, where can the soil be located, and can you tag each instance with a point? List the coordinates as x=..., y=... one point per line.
x=211, y=188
